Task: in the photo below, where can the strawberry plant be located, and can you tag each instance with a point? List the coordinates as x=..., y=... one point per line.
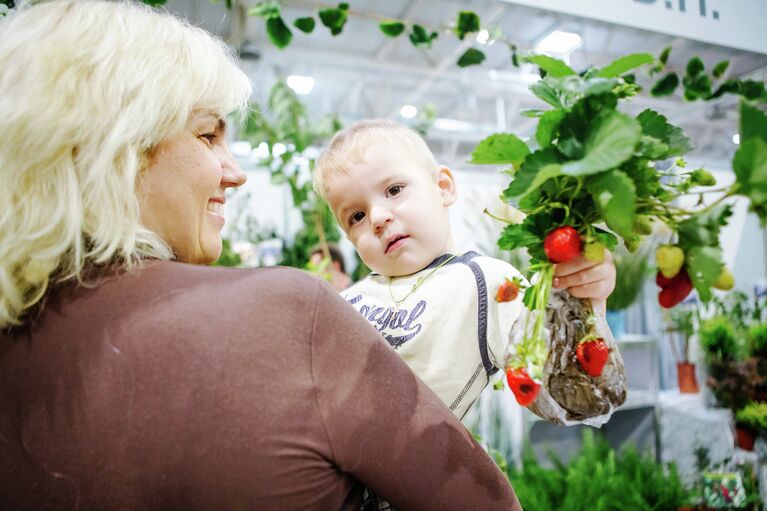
x=589, y=180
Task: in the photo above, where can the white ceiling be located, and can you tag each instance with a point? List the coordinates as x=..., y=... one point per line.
x=361, y=73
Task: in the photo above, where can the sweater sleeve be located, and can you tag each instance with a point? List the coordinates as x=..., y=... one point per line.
x=387, y=428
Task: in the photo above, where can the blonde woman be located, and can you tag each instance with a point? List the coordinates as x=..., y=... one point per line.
x=132, y=376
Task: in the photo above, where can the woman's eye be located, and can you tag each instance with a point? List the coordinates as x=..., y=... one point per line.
x=394, y=190
x=210, y=137
x=356, y=217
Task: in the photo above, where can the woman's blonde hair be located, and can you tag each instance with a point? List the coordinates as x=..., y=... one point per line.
x=87, y=88
x=347, y=148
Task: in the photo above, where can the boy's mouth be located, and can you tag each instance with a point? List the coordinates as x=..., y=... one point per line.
x=395, y=242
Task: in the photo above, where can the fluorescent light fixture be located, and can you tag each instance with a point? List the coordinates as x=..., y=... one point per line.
x=483, y=36
x=736, y=139
x=560, y=43
x=454, y=125
x=301, y=84
x=408, y=111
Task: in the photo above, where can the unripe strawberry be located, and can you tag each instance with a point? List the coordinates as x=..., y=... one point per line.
x=563, y=244
x=594, y=252
x=642, y=225
x=670, y=260
x=702, y=177
x=725, y=281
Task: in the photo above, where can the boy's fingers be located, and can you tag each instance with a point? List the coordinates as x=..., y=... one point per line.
x=594, y=290
x=581, y=263
x=596, y=273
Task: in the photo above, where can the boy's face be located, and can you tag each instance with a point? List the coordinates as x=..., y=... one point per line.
x=394, y=211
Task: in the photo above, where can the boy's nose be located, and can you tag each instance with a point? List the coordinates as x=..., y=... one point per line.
x=379, y=217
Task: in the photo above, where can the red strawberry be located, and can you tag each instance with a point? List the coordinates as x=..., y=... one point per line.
x=662, y=281
x=508, y=290
x=676, y=290
x=524, y=388
x=592, y=355
x=562, y=244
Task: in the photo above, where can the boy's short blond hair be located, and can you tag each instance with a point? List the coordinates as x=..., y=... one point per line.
x=347, y=148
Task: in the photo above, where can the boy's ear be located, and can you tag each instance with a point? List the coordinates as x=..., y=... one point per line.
x=446, y=185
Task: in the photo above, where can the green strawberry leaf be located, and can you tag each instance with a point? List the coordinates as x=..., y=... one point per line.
x=335, y=18
x=305, y=25
x=695, y=67
x=614, y=194
x=547, y=93
x=606, y=238
x=420, y=37
x=471, y=57
x=265, y=10
x=500, y=149
x=704, y=264
x=753, y=123
x=547, y=126
x=278, y=32
x=750, y=166
x=552, y=66
x=537, y=168
x=657, y=126
x=625, y=64
x=611, y=141
x=720, y=68
x=666, y=85
x=703, y=228
x=664, y=55
x=391, y=28
x=467, y=22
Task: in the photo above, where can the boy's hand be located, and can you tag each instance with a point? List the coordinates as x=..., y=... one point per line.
x=586, y=279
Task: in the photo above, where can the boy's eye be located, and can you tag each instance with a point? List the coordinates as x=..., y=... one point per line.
x=355, y=217
x=394, y=190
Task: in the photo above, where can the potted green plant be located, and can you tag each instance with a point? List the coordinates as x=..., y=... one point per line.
x=683, y=323
x=751, y=420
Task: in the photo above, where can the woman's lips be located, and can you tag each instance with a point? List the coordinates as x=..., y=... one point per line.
x=396, y=243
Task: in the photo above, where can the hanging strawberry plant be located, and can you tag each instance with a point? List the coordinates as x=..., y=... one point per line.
x=589, y=180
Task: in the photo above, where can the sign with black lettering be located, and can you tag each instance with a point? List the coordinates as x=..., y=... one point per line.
x=732, y=23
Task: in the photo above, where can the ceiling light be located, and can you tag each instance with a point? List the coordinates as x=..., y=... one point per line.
x=454, y=125
x=736, y=139
x=483, y=36
x=301, y=84
x=408, y=111
x=559, y=42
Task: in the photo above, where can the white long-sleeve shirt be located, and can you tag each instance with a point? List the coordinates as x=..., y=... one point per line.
x=450, y=331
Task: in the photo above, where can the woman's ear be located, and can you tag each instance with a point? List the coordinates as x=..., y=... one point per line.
x=446, y=185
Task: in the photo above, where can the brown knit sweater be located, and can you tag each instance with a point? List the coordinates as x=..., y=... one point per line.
x=188, y=387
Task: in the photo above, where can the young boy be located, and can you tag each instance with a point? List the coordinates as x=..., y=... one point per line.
x=437, y=309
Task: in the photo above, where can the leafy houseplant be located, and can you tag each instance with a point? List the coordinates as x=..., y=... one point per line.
x=597, y=478
x=289, y=125
x=683, y=322
x=751, y=420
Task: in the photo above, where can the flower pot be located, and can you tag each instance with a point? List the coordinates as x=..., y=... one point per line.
x=745, y=438
x=616, y=320
x=685, y=375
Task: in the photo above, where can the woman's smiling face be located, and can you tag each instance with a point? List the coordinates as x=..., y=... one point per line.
x=181, y=193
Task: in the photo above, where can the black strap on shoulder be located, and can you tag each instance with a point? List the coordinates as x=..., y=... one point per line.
x=482, y=308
